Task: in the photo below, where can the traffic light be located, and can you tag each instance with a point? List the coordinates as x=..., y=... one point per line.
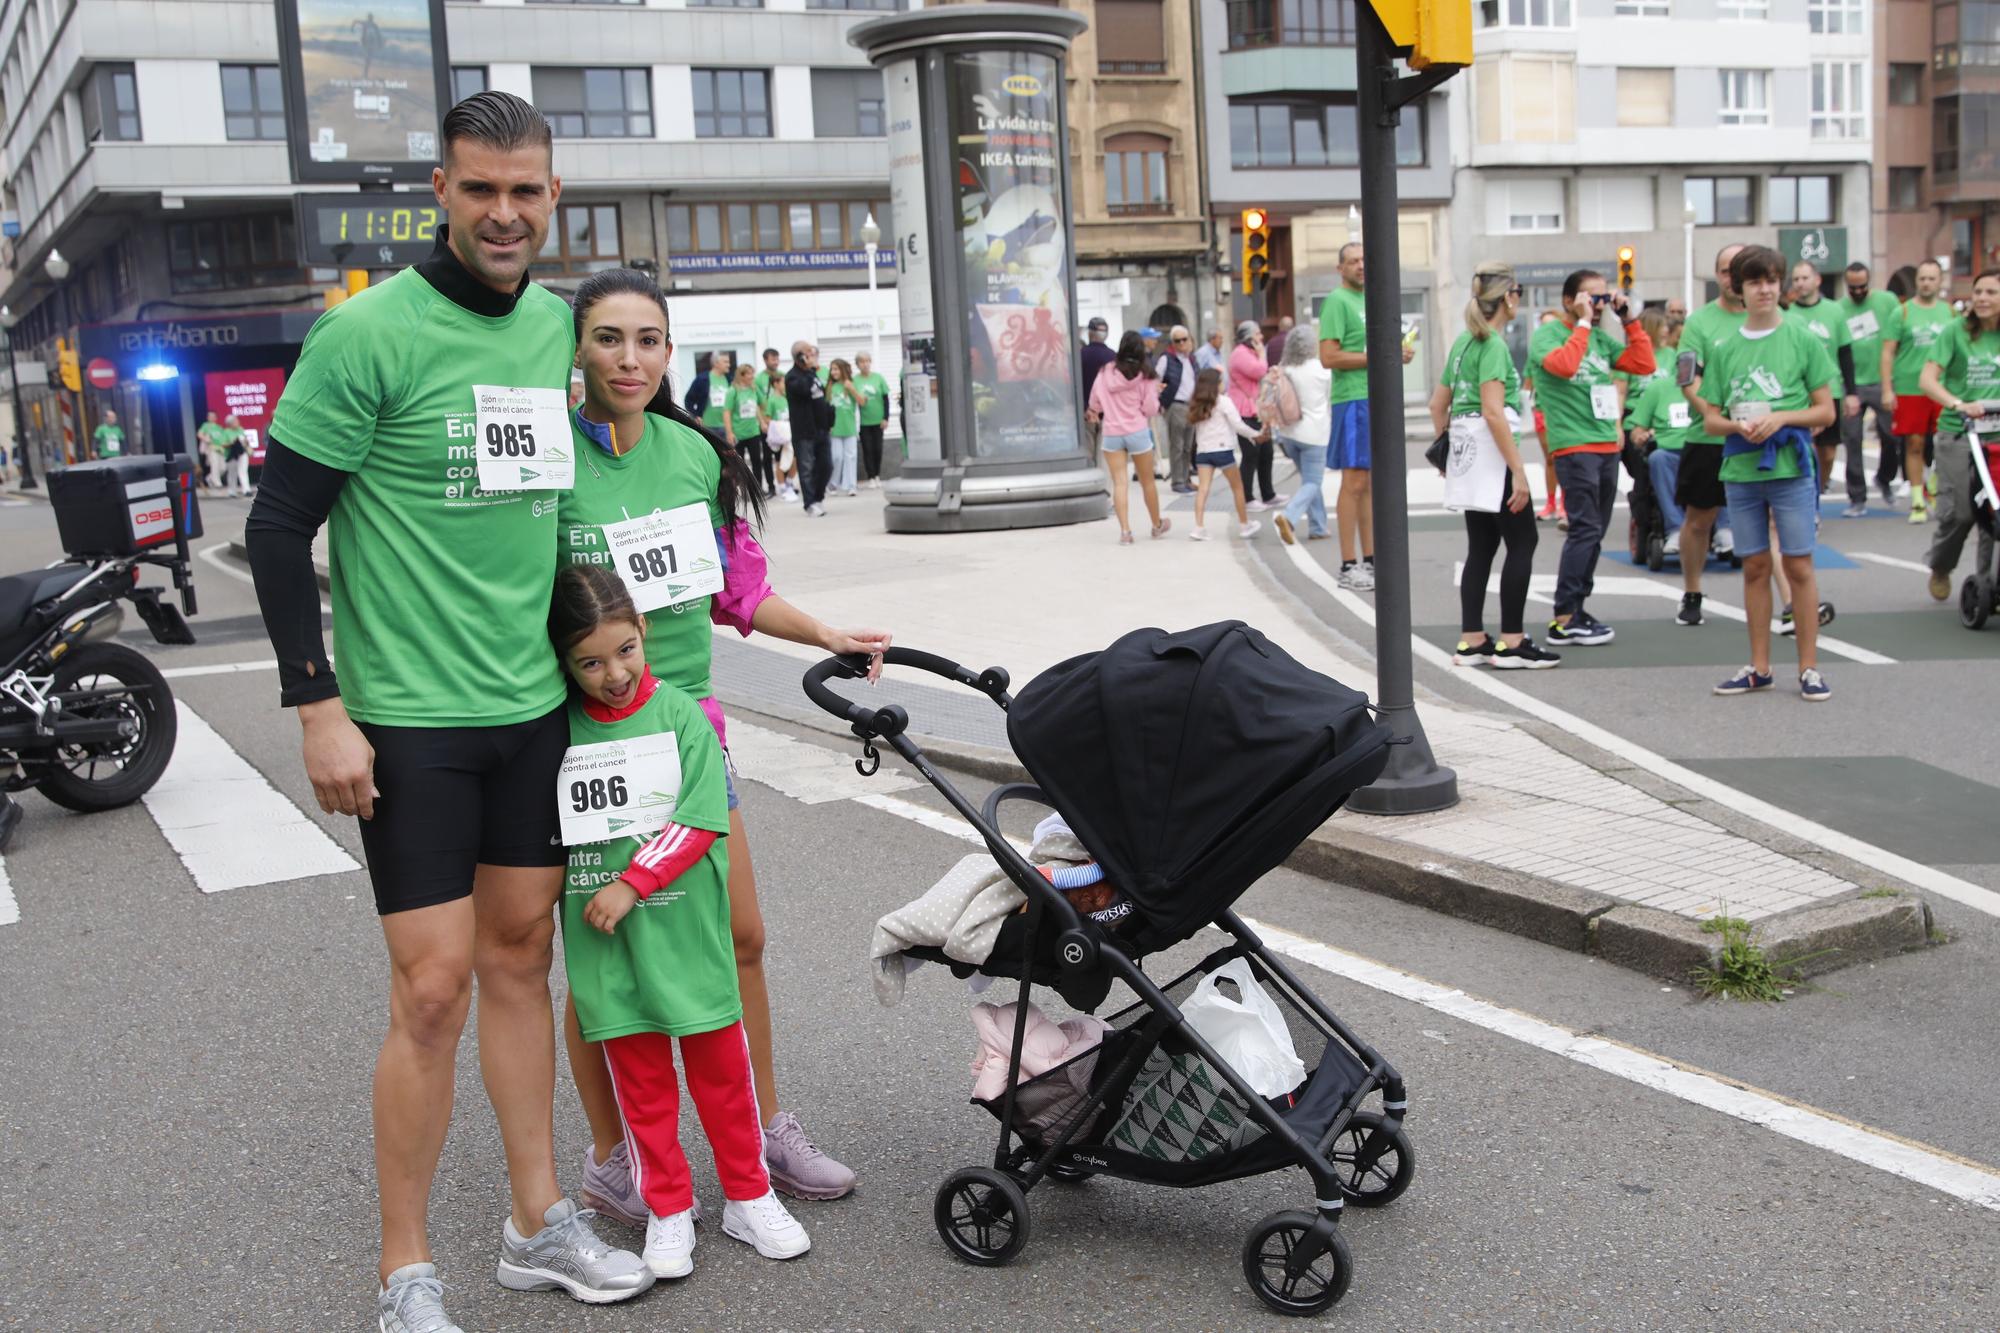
x=1256, y=249
x=1627, y=269
x=68, y=371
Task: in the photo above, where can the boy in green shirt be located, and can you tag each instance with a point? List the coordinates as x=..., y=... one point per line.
x=1820, y=317
x=1907, y=342
x=109, y=437
x=1764, y=389
x=873, y=393
x=1868, y=314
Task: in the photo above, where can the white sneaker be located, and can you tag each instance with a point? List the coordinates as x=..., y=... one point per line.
x=816, y=510
x=1256, y=506
x=1250, y=529
x=1725, y=543
x=670, y=1245
x=1198, y=535
x=850, y=491
x=1673, y=543
x=764, y=1224
x=1900, y=488
x=1361, y=578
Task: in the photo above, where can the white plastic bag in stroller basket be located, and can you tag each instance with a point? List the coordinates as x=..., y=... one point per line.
x=1250, y=1034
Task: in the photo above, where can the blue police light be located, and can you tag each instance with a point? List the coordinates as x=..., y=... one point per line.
x=159, y=372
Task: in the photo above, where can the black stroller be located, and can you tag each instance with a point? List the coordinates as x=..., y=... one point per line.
x=1189, y=765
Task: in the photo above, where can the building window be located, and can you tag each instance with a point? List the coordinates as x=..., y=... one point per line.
x=725, y=4
x=1795, y=199
x=253, y=102
x=1131, y=37
x=1746, y=10
x=1642, y=9
x=1906, y=188
x=847, y=104
x=1524, y=207
x=1526, y=14
x=586, y=2
x=595, y=103
x=583, y=238
x=1313, y=133
x=466, y=80
x=1645, y=97
x=1135, y=175
x=1719, y=201
x=772, y=226
x=218, y=254
x=1906, y=85
x=1964, y=246
x=855, y=4
x=111, y=105
x=1839, y=100
x=1526, y=99
x=1614, y=203
x=1254, y=23
x=1746, y=97
x=732, y=103
x=1834, y=16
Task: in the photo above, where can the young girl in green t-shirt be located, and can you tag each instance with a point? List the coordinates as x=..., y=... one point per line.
x=645, y=919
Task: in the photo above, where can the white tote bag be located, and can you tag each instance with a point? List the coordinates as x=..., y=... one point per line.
x=1249, y=1033
x=1475, y=475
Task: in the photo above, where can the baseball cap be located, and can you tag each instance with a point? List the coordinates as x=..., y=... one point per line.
x=1149, y=332
x=1098, y=322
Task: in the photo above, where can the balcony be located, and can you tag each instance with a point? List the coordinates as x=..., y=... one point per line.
x=1257, y=24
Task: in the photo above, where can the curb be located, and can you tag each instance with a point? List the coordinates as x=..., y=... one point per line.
x=237, y=551
x=1808, y=941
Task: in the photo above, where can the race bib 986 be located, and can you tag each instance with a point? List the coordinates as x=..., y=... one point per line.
x=618, y=788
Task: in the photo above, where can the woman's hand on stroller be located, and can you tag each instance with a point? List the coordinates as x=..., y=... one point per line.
x=873, y=642
x=609, y=905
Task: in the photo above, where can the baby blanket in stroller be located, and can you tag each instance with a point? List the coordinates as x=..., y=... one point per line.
x=962, y=913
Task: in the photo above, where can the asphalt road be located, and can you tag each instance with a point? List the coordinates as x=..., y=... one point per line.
x=184, y=1134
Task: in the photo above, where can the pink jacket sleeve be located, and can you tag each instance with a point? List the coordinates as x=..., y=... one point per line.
x=745, y=579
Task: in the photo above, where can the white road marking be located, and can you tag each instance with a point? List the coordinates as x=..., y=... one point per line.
x=221, y=668
x=216, y=556
x=809, y=774
x=1832, y=840
x=1957, y=1177
x=938, y=821
x=1914, y=566
x=10, y=911
x=230, y=827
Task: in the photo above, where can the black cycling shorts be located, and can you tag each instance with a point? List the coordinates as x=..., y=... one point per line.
x=1700, y=483
x=454, y=798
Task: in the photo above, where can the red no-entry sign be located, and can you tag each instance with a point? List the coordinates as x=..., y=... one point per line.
x=101, y=373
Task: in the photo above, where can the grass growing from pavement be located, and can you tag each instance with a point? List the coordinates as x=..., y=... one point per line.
x=1741, y=972
x=1882, y=893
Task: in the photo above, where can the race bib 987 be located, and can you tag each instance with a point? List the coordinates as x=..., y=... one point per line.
x=666, y=558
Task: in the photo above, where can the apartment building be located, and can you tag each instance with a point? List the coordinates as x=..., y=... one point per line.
x=1937, y=160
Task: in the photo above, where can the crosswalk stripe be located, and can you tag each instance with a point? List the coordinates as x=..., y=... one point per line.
x=10, y=911
x=809, y=774
x=230, y=827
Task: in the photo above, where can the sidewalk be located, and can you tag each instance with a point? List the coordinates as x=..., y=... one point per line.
x=1551, y=838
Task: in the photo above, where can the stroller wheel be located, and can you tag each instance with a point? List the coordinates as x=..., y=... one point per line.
x=982, y=1216
x=1975, y=602
x=1297, y=1262
x=1373, y=1160
x=1656, y=552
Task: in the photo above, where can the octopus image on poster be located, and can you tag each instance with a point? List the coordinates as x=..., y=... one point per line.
x=1011, y=205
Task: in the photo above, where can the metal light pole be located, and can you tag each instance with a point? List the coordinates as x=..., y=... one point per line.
x=871, y=238
x=57, y=269
x=1412, y=783
x=8, y=319
x=1688, y=219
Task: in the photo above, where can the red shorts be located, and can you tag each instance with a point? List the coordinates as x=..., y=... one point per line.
x=1916, y=414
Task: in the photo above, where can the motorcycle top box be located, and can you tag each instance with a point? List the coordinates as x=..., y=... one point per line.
x=118, y=507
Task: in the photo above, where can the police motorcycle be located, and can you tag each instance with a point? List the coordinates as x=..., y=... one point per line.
x=88, y=722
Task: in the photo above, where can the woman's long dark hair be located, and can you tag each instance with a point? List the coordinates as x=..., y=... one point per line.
x=736, y=491
x=1132, y=363
x=585, y=597
x=1972, y=328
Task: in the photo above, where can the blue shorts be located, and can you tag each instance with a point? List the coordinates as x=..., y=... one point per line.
x=1794, y=502
x=1347, y=446
x=1220, y=458
x=1140, y=442
x=729, y=779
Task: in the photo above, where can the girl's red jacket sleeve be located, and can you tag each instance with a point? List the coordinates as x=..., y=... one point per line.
x=673, y=850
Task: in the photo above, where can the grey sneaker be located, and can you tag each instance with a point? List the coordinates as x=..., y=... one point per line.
x=611, y=1189
x=797, y=1167
x=413, y=1302
x=567, y=1254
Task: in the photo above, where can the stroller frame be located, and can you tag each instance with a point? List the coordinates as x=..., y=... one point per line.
x=1979, y=595
x=998, y=1196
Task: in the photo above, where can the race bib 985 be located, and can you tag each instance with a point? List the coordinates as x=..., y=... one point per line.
x=523, y=439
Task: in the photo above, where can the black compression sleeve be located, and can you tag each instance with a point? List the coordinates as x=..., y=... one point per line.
x=1846, y=355
x=294, y=497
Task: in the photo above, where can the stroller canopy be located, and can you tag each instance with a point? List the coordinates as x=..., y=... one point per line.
x=1191, y=763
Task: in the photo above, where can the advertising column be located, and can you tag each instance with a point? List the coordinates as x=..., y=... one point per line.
x=909, y=209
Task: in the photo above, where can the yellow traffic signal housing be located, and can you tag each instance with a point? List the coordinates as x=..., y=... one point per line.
x=1256, y=249
x=1627, y=267
x=1438, y=32
x=67, y=369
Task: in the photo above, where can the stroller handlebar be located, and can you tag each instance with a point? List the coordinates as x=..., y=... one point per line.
x=891, y=720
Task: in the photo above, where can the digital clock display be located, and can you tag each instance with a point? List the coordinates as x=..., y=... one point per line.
x=367, y=231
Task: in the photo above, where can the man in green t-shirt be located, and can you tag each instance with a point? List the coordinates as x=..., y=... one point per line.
x=446, y=730
x=1343, y=349
x=1764, y=390
x=109, y=437
x=1811, y=311
x=1868, y=314
x=873, y=392
x=770, y=373
x=213, y=452
x=1698, y=481
x=1907, y=342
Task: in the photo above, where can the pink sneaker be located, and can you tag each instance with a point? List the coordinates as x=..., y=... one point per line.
x=612, y=1191
x=797, y=1167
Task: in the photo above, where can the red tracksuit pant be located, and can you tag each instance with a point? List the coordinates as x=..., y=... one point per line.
x=725, y=1097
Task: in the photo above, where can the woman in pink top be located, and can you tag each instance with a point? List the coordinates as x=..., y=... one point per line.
x=1246, y=370
x=1125, y=398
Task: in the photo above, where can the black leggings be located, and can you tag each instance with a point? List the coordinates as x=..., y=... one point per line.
x=758, y=451
x=1256, y=466
x=871, y=452
x=1483, y=534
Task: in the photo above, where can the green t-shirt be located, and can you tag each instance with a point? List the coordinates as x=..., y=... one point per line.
x=671, y=964
x=671, y=466
x=110, y=440
x=741, y=408
x=1969, y=368
x=1915, y=330
x=1663, y=410
x=718, y=394
x=765, y=378
x=1343, y=316
x=873, y=391
x=1868, y=323
x=1780, y=370
x=846, y=412
x=1571, y=407
x=440, y=590
x=776, y=405
x=1704, y=329
x=1472, y=362
x=210, y=433
x=1822, y=320
x=1636, y=385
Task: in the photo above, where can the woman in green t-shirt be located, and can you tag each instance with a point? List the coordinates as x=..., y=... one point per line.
x=1962, y=376
x=1478, y=402
x=846, y=432
x=631, y=462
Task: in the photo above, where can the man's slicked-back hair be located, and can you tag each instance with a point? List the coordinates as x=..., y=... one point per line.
x=498, y=120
